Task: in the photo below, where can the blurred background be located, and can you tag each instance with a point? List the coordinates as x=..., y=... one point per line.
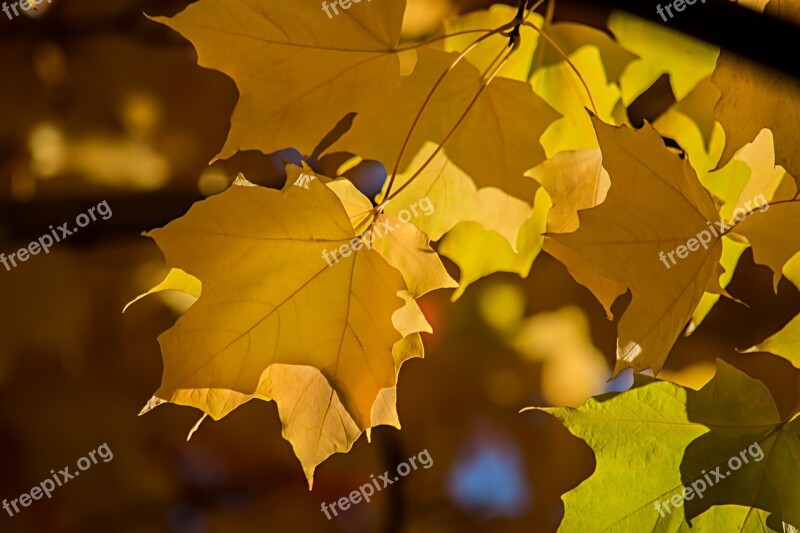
x=98, y=103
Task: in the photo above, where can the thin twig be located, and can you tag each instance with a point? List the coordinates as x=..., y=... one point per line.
x=486, y=82
x=569, y=62
x=463, y=54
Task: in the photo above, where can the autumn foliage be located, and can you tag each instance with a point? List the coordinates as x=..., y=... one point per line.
x=517, y=130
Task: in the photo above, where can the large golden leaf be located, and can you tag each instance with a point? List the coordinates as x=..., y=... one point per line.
x=655, y=204
x=773, y=235
x=576, y=181
x=298, y=72
x=756, y=97
x=269, y=297
x=313, y=417
x=497, y=142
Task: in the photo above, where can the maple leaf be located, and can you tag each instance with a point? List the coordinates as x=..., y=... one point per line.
x=655, y=204
x=266, y=287
x=666, y=438
x=751, y=174
x=479, y=250
x=324, y=406
x=756, y=97
x=534, y=51
x=497, y=142
x=786, y=342
x=661, y=50
x=576, y=181
x=258, y=43
x=313, y=418
x=772, y=246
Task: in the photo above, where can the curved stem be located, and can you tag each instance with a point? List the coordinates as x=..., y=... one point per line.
x=550, y=13
x=533, y=8
x=538, y=56
x=731, y=228
x=794, y=412
x=569, y=62
x=483, y=86
x=436, y=85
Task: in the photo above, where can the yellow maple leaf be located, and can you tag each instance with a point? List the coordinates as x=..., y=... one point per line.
x=270, y=297
x=494, y=145
x=323, y=408
x=661, y=50
x=560, y=87
x=258, y=44
x=480, y=250
x=756, y=97
x=773, y=246
x=654, y=205
x=313, y=417
x=576, y=181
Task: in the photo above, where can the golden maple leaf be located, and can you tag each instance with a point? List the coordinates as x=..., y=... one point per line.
x=655, y=204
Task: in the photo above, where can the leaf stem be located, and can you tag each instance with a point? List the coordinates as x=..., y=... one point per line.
x=569, y=62
x=436, y=85
x=731, y=228
x=483, y=86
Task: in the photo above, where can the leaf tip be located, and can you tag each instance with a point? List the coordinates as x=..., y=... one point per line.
x=752, y=349
x=151, y=404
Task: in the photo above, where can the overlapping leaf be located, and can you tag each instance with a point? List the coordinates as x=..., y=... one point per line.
x=497, y=142
x=298, y=72
x=756, y=97
x=276, y=321
x=576, y=181
x=661, y=50
x=655, y=204
x=480, y=250
x=313, y=418
x=786, y=342
x=658, y=439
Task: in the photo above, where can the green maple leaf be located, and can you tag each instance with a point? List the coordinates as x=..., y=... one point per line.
x=659, y=439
